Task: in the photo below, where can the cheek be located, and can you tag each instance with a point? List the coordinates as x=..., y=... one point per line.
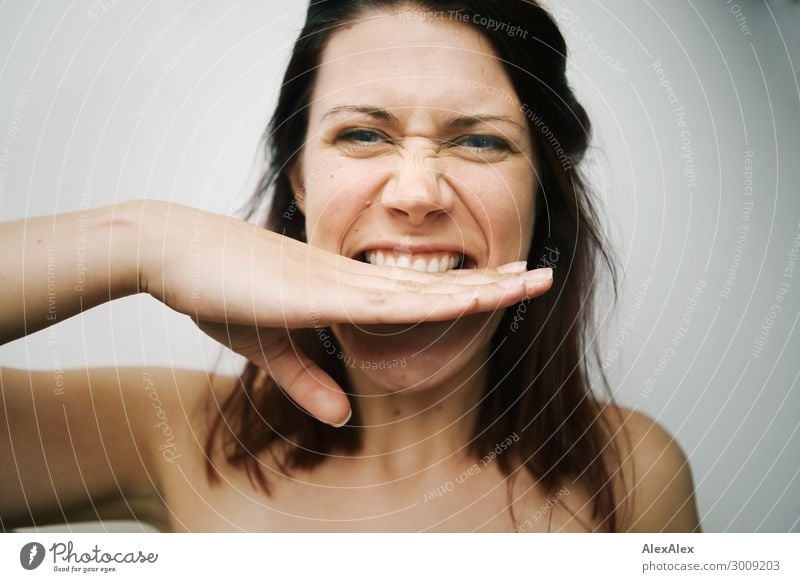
x=502, y=203
x=509, y=234
x=499, y=199
x=337, y=190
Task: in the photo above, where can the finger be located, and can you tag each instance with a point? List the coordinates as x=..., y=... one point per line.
x=304, y=381
x=507, y=292
x=342, y=268
x=517, y=267
x=358, y=305
x=399, y=279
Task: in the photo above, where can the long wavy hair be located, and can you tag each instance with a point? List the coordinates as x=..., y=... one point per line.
x=538, y=383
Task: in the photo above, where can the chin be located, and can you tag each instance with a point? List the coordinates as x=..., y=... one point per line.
x=418, y=357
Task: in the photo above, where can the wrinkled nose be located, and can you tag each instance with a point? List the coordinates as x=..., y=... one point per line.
x=417, y=192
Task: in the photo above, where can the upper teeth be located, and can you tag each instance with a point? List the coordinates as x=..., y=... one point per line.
x=426, y=262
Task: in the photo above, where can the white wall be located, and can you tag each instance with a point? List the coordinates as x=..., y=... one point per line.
x=104, y=102
x=696, y=294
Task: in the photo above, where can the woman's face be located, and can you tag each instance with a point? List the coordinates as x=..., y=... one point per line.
x=418, y=156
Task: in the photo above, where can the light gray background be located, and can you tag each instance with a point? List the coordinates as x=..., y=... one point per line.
x=102, y=102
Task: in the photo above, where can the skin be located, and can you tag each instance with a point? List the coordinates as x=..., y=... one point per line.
x=416, y=417
x=400, y=149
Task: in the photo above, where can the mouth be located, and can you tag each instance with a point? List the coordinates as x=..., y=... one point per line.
x=428, y=261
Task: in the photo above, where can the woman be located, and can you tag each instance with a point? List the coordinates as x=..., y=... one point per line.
x=407, y=372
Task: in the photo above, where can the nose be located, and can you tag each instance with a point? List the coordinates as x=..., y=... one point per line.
x=417, y=192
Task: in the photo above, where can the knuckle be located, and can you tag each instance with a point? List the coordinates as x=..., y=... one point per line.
x=410, y=286
x=377, y=297
x=382, y=312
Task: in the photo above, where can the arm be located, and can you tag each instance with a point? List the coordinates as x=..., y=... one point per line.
x=67, y=442
x=68, y=447
x=244, y=286
x=54, y=267
x=80, y=444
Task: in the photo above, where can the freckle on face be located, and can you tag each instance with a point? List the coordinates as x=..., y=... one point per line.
x=418, y=76
x=493, y=202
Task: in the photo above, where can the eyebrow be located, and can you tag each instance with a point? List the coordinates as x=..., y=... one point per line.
x=467, y=121
x=371, y=110
x=456, y=122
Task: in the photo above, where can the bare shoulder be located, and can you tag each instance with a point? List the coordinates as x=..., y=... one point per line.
x=97, y=443
x=183, y=398
x=658, y=493
x=174, y=408
x=167, y=412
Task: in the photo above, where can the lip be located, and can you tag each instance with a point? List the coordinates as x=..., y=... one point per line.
x=470, y=260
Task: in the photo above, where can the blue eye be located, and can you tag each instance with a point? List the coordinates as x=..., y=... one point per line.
x=363, y=136
x=482, y=142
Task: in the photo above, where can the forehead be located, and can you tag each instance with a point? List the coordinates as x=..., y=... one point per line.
x=398, y=60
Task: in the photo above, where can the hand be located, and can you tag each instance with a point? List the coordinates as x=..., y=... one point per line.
x=246, y=286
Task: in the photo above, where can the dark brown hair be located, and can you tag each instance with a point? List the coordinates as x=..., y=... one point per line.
x=538, y=384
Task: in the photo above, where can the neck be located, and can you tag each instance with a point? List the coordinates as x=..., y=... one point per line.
x=410, y=431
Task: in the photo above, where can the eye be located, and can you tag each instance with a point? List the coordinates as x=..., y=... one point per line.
x=363, y=136
x=482, y=142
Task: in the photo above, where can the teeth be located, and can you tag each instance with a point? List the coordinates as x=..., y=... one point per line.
x=430, y=263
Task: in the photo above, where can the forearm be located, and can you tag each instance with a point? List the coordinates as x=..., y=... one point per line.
x=54, y=267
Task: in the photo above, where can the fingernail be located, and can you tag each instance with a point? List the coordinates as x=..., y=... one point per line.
x=539, y=275
x=517, y=267
x=345, y=421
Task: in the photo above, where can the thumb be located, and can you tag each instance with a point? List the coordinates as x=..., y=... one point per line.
x=303, y=380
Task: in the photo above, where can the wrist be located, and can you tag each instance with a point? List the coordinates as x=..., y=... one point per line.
x=131, y=240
